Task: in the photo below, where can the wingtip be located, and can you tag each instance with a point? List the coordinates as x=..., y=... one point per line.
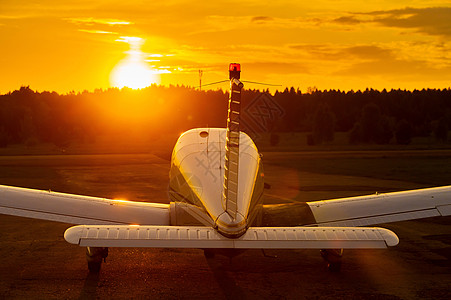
x=72, y=235
x=391, y=239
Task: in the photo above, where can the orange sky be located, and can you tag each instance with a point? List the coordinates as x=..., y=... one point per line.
x=75, y=45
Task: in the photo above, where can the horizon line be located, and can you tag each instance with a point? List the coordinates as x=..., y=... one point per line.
x=308, y=90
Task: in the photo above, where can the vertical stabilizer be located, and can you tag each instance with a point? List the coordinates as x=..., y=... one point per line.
x=232, y=153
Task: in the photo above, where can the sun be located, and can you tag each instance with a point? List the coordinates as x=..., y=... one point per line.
x=133, y=71
x=133, y=74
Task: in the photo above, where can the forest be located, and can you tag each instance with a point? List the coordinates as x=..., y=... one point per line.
x=367, y=117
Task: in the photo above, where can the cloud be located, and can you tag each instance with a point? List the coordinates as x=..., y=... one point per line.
x=261, y=19
x=368, y=52
x=93, y=21
x=276, y=67
x=15, y=17
x=324, y=52
x=397, y=63
x=155, y=55
x=393, y=64
x=431, y=21
x=347, y=20
x=399, y=69
x=337, y=52
x=97, y=31
x=131, y=40
x=217, y=23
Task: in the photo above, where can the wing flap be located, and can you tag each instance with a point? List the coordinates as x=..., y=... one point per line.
x=254, y=238
x=75, y=209
x=383, y=208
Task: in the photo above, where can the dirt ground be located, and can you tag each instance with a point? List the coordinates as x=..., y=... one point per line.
x=36, y=262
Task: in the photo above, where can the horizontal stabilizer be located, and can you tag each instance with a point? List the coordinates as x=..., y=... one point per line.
x=254, y=238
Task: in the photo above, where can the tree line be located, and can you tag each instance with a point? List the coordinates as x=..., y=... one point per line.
x=370, y=116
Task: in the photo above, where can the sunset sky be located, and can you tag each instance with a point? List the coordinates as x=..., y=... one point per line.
x=78, y=45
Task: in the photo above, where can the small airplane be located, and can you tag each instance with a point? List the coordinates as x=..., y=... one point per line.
x=215, y=189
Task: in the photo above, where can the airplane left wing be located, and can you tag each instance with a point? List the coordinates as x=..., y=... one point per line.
x=75, y=209
x=382, y=208
x=207, y=237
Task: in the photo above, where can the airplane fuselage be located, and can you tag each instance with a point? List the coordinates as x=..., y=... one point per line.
x=197, y=180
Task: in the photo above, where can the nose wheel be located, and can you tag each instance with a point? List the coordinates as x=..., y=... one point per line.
x=95, y=256
x=333, y=258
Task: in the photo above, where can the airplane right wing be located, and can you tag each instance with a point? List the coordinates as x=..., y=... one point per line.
x=382, y=208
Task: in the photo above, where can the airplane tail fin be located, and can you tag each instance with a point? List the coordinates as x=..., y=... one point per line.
x=230, y=186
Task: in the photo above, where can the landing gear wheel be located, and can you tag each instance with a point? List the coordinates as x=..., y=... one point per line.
x=333, y=258
x=209, y=253
x=94, y=256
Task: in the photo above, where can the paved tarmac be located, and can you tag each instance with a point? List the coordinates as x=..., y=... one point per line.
x=36, y=262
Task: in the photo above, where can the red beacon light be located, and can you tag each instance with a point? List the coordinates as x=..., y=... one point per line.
x=234, y=71
x=235, y=67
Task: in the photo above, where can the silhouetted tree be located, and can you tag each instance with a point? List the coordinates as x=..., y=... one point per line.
x=369, y=116
x=3, y=137
x=356, y=134
x=323, y=128
x=441, y=130
x=403, y=133
x=375, y=127
x=371, y=122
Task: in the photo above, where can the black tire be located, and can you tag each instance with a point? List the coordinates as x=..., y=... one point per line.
x=94, y=257
x=333, y=258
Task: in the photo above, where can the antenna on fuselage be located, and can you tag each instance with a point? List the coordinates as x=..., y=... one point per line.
x=232, y=147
